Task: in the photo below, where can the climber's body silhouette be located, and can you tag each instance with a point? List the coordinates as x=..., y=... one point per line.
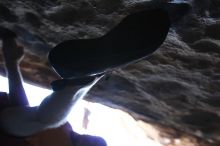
x=20, y=123
x=137, y=36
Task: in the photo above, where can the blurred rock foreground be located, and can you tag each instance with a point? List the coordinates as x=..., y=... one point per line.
x=176, y=90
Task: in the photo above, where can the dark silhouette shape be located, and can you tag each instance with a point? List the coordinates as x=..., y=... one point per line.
x=137, y=36
x=177, y=11
x=23, y=125
x=6, y=33
x=87, y=140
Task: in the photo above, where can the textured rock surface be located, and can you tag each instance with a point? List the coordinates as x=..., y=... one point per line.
x=177, y=87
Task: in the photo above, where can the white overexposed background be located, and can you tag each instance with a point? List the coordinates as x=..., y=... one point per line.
x=117, y=128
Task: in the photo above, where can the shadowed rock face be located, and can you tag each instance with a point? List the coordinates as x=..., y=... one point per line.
x=177, y=87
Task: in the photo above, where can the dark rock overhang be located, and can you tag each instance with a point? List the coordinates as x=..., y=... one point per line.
x=178, y=86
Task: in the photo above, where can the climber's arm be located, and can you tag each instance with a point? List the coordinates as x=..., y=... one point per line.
x=13, y=55
x=51, y=113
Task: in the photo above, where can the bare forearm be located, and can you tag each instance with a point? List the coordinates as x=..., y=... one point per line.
x=16, y=88
x=55, y=108
x=52, y=112
x=13, y=55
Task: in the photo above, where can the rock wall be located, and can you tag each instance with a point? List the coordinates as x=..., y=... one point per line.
x=177, y=87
